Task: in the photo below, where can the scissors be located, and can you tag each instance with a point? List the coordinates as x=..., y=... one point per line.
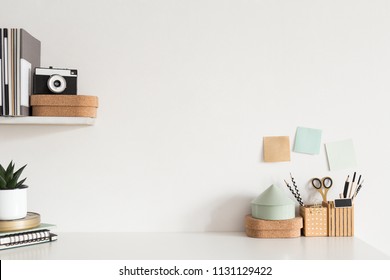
x=325, y=183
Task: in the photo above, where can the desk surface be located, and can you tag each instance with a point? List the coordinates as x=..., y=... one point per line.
x=193, y=246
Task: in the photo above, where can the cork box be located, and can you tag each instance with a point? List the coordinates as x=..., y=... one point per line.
x=259, y=228
x=50, y=105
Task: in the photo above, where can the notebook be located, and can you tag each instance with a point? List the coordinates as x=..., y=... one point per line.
x=37, y=235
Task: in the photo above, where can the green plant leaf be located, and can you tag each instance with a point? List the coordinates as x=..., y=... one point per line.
x=18, y=173
x=10, y=179
x=9, y=173
x=3, y=183
x=2, y=171
x=18, y=185
x=12, y=184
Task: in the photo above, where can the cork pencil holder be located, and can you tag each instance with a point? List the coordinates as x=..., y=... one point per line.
x=315, y=220
x=340, y=220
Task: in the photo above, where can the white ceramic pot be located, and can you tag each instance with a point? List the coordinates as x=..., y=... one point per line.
x=13, y=204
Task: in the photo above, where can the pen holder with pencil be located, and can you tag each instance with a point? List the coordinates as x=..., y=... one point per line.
x=331, y=218
x=315, y=220
x=340, y=220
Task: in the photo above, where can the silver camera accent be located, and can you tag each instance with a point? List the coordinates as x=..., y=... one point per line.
x=56, y=83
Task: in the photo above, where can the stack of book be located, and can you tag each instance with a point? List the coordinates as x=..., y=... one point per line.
x=20, y=53
x=24, y=232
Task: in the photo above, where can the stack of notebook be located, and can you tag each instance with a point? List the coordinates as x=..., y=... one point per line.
x=24, y=232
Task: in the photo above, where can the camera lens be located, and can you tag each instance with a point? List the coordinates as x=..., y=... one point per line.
x=56, y=84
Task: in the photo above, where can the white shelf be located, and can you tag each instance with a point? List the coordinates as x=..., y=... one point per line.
x=47, y=120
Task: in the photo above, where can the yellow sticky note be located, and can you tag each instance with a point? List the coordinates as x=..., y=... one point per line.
x=276, y=148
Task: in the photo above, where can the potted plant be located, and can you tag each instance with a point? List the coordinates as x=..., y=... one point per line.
x=13, y=194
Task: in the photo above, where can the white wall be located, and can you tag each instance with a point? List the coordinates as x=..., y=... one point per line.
x=187, y=91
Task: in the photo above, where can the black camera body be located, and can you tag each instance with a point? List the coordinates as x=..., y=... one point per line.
x=55, y=81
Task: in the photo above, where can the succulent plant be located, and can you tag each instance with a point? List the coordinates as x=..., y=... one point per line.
x=9, y=179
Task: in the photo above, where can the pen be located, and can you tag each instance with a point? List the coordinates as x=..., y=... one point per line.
x=346, y=185
x=358, y=189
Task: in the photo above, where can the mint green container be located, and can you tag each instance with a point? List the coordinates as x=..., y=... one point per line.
x=273, y=204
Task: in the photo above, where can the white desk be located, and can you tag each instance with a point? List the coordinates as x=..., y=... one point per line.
x=193, y=246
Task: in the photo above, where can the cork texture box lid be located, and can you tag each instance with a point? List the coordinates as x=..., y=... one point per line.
x=64, y=100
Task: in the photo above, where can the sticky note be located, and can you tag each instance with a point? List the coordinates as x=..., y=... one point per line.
x=307, y=140
x=276, y=148
x=341, y=155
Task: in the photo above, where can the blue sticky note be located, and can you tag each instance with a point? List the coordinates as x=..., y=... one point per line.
x=341, y=155
x=308, y=140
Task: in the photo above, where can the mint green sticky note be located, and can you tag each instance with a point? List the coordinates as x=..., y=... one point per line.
x=341, y=155
x=307, y=140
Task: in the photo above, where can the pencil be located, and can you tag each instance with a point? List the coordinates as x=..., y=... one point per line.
x=358, y=189
x=360, y=176
x=353, y=181
x=346, y=185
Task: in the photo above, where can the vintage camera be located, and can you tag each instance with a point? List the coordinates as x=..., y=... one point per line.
x=55, y=81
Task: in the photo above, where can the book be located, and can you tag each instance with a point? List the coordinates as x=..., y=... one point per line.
x=42, y=226
x=21, y=54
x=19, y=238
x=5, y=72
x=16, y=73
x=30, y=58
x=1, y=72
x=10, y=70
x=15, y=240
